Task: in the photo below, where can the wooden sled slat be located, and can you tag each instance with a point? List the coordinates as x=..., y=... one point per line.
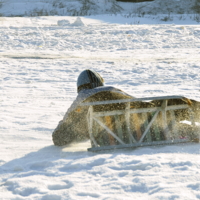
x=132, y=146
x=130, y=100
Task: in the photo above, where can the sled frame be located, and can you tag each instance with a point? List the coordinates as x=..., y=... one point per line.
x=133, y=143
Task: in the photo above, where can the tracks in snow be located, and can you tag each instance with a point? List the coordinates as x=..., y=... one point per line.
x=129, y=56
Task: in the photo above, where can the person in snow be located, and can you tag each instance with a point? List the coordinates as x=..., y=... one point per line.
x=90, y=88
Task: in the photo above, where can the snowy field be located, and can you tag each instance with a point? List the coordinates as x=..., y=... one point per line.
x=10, y=8
x=40, y=60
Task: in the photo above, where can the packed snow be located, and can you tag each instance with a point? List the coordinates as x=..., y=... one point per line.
x=41, y=58
x=95, y=7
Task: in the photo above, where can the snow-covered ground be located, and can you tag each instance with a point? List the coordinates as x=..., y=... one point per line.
x=39, y=65
x=96, y=7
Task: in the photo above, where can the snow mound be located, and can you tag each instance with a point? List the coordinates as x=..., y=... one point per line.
x=78, y=22
x=63, y=22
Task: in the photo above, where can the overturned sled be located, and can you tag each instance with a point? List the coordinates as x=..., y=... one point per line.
x=135, y=122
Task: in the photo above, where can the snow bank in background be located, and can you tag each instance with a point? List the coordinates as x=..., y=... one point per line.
x=94, y=7
x=63, y=22
x=78, y=22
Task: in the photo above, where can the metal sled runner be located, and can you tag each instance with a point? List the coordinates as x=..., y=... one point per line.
x=130, y=123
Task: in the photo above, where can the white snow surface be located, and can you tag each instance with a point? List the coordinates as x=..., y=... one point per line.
x=39, y=65
x=96, y=7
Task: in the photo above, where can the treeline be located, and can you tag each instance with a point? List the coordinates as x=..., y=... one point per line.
x=135, y=1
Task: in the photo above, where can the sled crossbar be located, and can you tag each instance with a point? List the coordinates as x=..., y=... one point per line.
x=142, y=110
x=129, y=100
x=93, y=118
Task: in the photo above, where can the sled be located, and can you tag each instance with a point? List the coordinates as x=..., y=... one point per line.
x=139, y=122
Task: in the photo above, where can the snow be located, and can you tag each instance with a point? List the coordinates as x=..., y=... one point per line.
x=40, y=60
x=98, y=7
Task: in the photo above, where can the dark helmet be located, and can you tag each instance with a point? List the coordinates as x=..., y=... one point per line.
x=89, y=79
